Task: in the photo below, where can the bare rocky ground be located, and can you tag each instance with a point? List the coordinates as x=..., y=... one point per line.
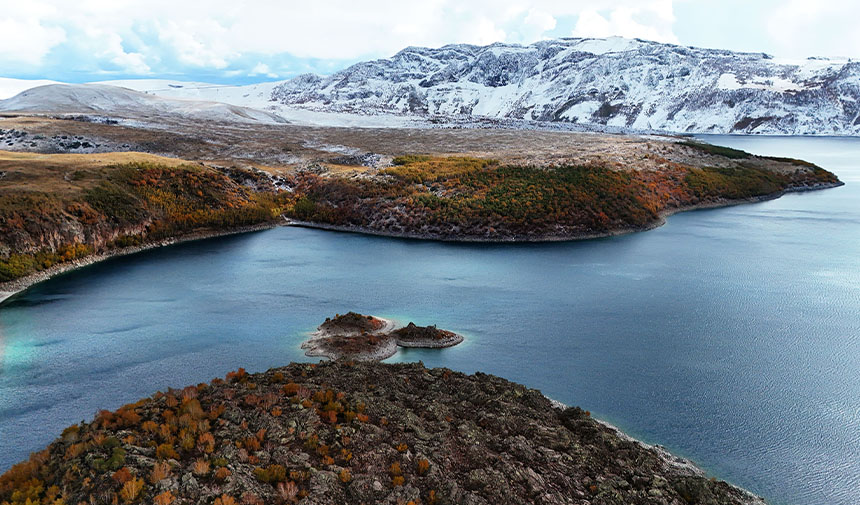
x=280, y=148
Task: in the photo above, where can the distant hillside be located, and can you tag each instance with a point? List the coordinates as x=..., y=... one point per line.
x=121, y=102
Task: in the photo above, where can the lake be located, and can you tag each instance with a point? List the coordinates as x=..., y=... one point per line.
x=730, y=336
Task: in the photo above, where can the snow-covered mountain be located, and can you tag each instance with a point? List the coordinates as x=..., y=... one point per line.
x=121, y=102
x=613, y=82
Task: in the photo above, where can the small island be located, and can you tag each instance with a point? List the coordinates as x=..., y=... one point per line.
x=359, y=337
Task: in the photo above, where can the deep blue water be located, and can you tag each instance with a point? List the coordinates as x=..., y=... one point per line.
x=731, y=336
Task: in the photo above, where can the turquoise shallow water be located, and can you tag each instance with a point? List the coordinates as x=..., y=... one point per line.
x=731, y=336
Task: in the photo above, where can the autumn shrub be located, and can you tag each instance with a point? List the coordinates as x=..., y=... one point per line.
x=160, y=471
x=271, y=474
x=225, y=499
x=166, y=451
x=131, y=489
x=200, y=467
x=222, y=474
x=345, y=476
x=423, y=466
x=165, y=498
x=122, y=475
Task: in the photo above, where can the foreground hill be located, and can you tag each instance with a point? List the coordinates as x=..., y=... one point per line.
x=354, y=433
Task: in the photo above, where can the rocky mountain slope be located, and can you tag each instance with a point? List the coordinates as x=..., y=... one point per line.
x=355, y=433
x=614, y=82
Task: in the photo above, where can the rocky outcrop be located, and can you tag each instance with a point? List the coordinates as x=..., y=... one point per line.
x=358, y=337
x=356, y=433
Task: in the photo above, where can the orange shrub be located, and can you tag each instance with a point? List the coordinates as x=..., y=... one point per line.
x=159, y=472
x=200, y=467
x=225, y=499
x=165, y=498
x=423, y=466
x=206, y=443
x=345, y=476
x=222, y=473
x=122, y=475
x=130, y=490
x=166, y=451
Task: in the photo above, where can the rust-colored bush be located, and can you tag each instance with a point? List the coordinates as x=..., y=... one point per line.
x=225, y=499
x=159, y=472
x=345, y=476
x=206, y=443
x=237, y=376
x=166, y=451
x=423, y=466
x=200, y=467
x=122, y=475
x=222, y=473
x=165, y=498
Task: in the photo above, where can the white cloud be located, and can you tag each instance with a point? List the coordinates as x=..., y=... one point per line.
x=820, y=28
x=213, y=33
x=24, y=39
x=646, y=20
x=262, y=69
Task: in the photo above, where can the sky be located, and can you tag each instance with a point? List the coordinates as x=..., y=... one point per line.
x=236, y=42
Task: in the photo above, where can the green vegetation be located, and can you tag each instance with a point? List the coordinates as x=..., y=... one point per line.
x=728, y=152
x=733, y=183
x=419, y=169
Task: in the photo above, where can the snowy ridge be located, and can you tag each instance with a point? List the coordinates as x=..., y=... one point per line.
x=615, y=82
x=126, y=103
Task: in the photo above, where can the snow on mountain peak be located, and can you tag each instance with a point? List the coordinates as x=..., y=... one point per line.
x=617, y=82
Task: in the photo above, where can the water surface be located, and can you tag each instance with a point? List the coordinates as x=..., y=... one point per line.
x=731, y=336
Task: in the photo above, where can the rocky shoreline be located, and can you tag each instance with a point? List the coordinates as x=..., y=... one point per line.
x=11, y=288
